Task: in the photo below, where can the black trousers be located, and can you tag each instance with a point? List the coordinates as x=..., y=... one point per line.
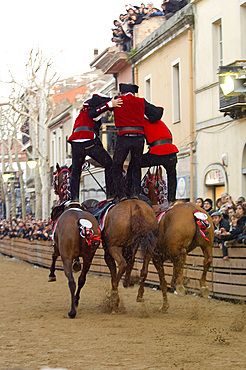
x=169, y=162
x=125, y=145
x=95, y=150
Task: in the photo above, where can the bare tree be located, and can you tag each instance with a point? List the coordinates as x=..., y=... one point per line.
x=33, y=103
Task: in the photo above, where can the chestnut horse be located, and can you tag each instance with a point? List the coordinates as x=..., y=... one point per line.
x=76, y=233
x=180, y=233
x=130, y=224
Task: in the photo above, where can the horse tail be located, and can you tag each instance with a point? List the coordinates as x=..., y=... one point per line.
x=145, y=234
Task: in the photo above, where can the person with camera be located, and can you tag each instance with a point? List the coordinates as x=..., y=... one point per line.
x=220, y=224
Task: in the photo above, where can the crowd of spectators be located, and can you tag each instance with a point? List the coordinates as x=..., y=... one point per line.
x=29, y=228
x=229, y=219
x=123, y=27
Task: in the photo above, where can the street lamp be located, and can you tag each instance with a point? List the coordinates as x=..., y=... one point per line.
x=7, y=176
x=32, y=163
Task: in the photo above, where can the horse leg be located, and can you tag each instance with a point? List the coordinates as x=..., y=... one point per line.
x=158, y=263
x=115, y=276
x=177, y=279
x=205, y=292
x=112, y=268
x=72, y=285
x=52, y=276
x=82, y=279
x=143, y=276
x=129, y=267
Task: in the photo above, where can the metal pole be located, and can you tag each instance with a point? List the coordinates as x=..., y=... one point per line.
x=87, y=169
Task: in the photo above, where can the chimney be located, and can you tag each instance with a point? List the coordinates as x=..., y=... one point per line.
x=95, y=53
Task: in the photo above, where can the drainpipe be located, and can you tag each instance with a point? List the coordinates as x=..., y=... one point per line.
x=192, y=123
x=135, y=76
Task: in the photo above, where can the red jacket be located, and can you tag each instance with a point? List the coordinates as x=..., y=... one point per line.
x=159, y=131
x=83, y=120
x=130, y=114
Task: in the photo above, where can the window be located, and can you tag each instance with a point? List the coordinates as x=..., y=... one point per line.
x=243, y=29
x=217, y=45
x=176, y=91
x=148, y=95
x=53, y=152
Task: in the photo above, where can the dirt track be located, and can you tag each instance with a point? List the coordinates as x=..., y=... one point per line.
x=36, y=332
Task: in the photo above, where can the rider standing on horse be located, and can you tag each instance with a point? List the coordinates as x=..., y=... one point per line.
x=85, y=141
x=129, y=119
x=162, y=152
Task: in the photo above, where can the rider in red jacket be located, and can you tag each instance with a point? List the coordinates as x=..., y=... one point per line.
x=129, y=120
x=161, y=152
x=85, y=141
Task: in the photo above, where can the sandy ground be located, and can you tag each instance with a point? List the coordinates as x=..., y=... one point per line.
x=35, y=331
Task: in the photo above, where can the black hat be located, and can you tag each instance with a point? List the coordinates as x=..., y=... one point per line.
x=96, y=99
x=124, y=88
x=209, y=201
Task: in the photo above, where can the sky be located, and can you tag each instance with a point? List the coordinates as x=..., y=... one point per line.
x=67, y=32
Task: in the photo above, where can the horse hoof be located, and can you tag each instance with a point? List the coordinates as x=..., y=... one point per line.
x=140, y=299
x=52, y=278
x=180, y=289
x=76, y=266
x=164, y=308
x=72, y=314
x=205, y=292
x=125, y=284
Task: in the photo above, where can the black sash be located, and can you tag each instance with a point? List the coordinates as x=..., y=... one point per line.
x=84, y=128
x=160, y=142
x=130, y=128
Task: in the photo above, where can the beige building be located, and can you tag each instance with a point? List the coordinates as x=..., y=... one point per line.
x=163, y=69
x=220, y=42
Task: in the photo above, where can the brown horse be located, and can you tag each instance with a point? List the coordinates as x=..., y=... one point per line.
x=76, y=233
x=129, y=225
x=179, y=234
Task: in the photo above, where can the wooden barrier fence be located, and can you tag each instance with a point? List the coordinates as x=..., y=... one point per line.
x=225, y=279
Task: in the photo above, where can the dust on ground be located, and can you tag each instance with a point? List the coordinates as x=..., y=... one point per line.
x=35, y=331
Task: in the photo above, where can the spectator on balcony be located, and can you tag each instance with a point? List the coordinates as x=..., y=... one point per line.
x=155, y=12
x=170, y=7
x=182, y=3
x=143, y=10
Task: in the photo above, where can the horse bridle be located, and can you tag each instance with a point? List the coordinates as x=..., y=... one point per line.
x=158, y=184
x=64, y=188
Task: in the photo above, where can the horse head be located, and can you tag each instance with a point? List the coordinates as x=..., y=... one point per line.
x=61, y=182
x=154, y=187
